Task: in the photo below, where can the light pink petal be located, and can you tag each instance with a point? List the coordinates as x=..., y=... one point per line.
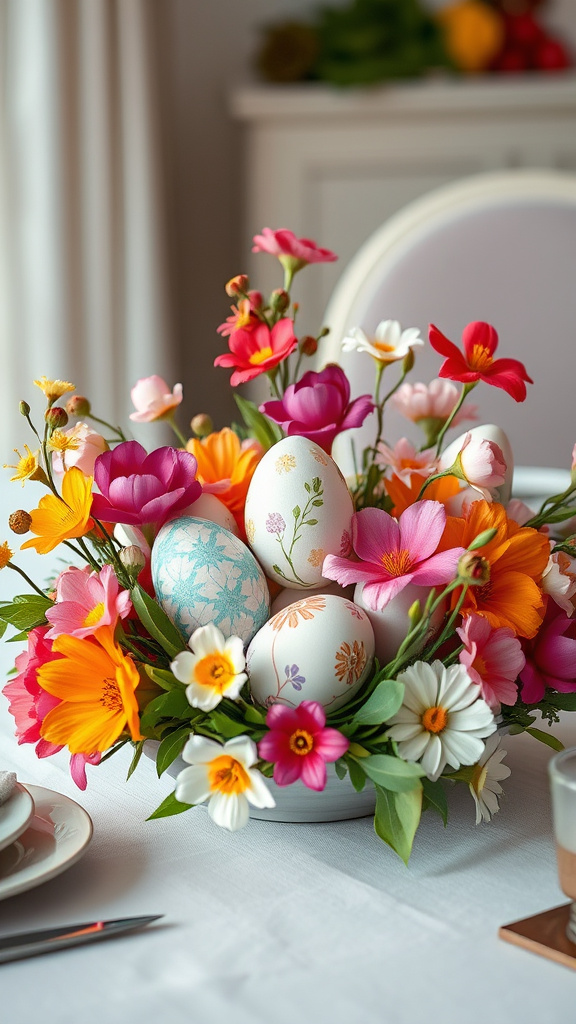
x=313, y=772
x=378, y=595
x=331, y=744
x=374, y=533
x=440, y=568
x=288, y=770
x=421, y=527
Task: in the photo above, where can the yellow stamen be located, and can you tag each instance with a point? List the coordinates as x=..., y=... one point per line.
x=215, y=671
x=397, y=563
x=227, y=775
x=61, y=442
x=94, y=615
x=435, y=719
x=260, y=356
x=111, y=698
x=301, y=742
x=480, y=358
x=382, y=347
x=5, y=554
x=478, y=780
x=480, y=666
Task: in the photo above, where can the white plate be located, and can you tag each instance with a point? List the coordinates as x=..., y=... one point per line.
x=15, y=813
x=56, y=838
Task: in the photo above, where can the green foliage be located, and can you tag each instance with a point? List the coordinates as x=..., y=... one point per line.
x=168, y=807
x=25, y=612
x=260, y=427
x=156, y=622
x=434, y=797
x=392, y=773
x=170, y=748
x=397, y=817
x=163, y=678
x=171, y=705
x=382, y=704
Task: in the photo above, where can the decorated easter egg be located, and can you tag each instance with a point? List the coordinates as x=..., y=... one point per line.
x=289, y=596
x=485, y=432
x=318, y=648
x=391, y=623
x=298, y=510
x=208, y=506
x=202, y=574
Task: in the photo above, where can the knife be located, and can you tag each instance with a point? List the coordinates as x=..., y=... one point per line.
x=24, y=944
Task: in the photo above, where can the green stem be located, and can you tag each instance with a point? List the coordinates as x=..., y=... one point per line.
x=16, y=568
x=180, y=436
x=465, y=391
x=117, y=430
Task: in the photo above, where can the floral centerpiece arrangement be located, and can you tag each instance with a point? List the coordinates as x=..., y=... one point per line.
x=237, y=600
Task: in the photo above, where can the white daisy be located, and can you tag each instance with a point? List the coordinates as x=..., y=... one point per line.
x=388, y=343
x=223, y=775
x=442, y=719
x=213, y=670
x=484, y=784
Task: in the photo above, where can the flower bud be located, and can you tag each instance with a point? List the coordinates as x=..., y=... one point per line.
x=24, y=408
x=279, y=300
x=474, y=569
x=77, y=405
x=201, y=424
x=20, y=521
x=409, y=360
x=308, y=345
x=56, y=417
x=237, y=285
x=133, y=560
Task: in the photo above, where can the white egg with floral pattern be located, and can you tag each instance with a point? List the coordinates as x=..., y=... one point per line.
x=319, y=648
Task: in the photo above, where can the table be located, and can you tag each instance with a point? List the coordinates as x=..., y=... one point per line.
x=280, y=922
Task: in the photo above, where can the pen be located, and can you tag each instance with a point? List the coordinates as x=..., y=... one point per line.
x=25, y=944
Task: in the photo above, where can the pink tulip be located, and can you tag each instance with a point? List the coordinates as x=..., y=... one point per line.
x=482, y=464
x=550, y=657
x=284, y=243
x=137, y=488
x=299, y=744
x=90, y=446
x=153, y=399
x=257, y=350
x=493, y=658
x=318, y=407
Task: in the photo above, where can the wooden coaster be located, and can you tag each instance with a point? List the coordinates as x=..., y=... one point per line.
x=544, y=934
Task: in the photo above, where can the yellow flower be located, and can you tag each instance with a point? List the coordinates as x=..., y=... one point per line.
x=57, y=519
x=27, y=467
x=96, y=685
x=54, y=389
x=5, y=554
x=62, y=442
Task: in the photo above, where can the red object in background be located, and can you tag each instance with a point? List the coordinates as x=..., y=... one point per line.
x=528, y=46
x=551, y=55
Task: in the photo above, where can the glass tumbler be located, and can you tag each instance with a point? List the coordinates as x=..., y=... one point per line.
x=562, y=773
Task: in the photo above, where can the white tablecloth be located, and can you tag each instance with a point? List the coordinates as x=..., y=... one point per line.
x=281, y=923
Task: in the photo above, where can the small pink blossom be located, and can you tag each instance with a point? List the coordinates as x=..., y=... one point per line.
x=404, y=459
x=86, y=600
x=243, y=315
x=550, y=657
x=493, y=658
x=299, y=744
x=153, y=399
x=257, y=350
x=282, y=243
x=559, y=580
x=90, y=444
x=433, y=401
x=391, y=554
x=481, y=463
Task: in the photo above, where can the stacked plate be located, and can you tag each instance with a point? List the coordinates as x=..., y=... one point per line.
x=16, y=813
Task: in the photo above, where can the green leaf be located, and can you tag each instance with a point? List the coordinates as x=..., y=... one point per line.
x=26, y=611
x=392, y=772
x=562, y=701
x=266, y=432
x=435, y=797
x=163, y=678
x=137, y=755
x=318, y=502
x=316, y=484
x=357, y=776
x=382, y=703
x=170, y=748
x=307, y=487
x=310, y=522
x=3, y=627
x=169, y=806
x=340, y=768
x=296, y=511
x=547, y=738
x=225, y=726
x=397, y=817
x=155, y=620
x=167, y=705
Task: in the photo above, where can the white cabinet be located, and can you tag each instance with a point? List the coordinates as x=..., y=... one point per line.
x=333, y=165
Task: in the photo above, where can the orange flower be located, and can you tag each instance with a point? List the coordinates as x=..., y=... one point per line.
x=518, y=557
x=57, y=519
x=405, y=494
x=225, y=468
x=96, y=685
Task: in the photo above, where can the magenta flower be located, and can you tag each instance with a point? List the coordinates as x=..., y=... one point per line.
x=550, y=657
x=257, y=350
x=137, y=488
x=283, y=243
x=318, y=407
x=493, y=658
x=299, y=744
x=394, y=553
x=86, y=600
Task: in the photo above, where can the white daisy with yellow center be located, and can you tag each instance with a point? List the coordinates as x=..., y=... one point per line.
x=388, y=343
x=223, y=774
x=442, y=720
x=485, y=782
x=213, y=669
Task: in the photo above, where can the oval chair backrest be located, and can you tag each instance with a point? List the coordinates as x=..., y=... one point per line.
x=497, y=247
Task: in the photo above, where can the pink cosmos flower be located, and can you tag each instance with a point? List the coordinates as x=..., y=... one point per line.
x=153, y=399
x=394, y=553
x=258, y=350
x=318, y=406
x=493, y=658
x=480, y=341
x=482, y=463
x=404, y=460
x=137, y=488
x=550, y=657
x=433, y=401
x=86, y=600
x=284, y=243
x=299, y=744
x=90, y=444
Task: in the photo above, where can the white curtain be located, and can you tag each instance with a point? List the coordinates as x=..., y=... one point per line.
x=83, y=268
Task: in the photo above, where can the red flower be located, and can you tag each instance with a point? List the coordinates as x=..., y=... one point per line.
x=258, y=350
x=284, y=243
x=480, y=341
x=299, y=744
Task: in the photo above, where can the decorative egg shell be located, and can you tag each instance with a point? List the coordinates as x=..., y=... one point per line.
x=208, y=506
x=485, y=432
x=286, y=596
x=203, y=574
x=391, y=624
x=319, y=648
x=298, y=510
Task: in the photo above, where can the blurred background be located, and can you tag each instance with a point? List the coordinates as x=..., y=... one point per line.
x=127, y=161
